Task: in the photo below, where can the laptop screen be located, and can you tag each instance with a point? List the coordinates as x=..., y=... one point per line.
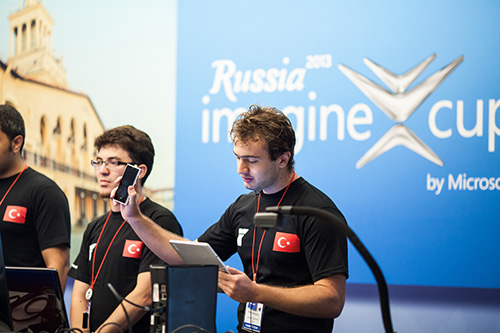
x=36, y=299
x=5, y=319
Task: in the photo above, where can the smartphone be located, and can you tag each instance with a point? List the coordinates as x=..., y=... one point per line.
x=128, y=179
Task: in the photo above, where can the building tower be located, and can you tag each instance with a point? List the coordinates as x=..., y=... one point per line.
x=31, y=54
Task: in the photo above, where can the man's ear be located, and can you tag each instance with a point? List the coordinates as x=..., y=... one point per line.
x=16, y=144
x=283, y=159
x=144, y=170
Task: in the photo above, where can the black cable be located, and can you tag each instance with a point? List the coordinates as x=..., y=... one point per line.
x=69, y=330
x=115, y=324
x=347, y=231
x=26, y=301
x=121, y=298
x=200, y=329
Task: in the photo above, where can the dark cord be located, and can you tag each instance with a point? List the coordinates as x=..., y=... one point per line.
x=121, y=298
x=69, y=330
x=200, y=329
x=347, y=231
x=115, y=324
x=26, y=302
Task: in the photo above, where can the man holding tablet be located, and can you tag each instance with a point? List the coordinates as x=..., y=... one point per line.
x=294, y=279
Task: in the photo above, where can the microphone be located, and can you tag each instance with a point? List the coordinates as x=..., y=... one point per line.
x=273, y=217
x=121, y=298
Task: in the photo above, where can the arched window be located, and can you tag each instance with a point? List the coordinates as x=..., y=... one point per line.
x=14, y=45
x=60, y=156
x=44, y=142
x=71, y=138
x=43, y=130
x=84, y=145
x=33, y=35
x=23, y=39
x=57, y=129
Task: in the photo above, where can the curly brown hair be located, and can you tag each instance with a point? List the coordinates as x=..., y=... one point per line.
x=136, y=142
x=268, y=124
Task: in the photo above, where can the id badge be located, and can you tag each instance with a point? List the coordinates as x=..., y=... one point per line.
x=253, y=317
x=86, y=317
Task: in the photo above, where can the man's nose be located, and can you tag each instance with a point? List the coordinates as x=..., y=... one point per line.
x=241, y=167
x=103, y=169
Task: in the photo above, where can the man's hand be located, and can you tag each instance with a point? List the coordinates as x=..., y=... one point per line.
x=154, y=236
x=323, y=299
x=131, y=209
x=237, y=285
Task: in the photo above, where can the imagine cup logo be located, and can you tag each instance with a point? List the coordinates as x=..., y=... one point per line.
x=313, y=121
x=399, y=104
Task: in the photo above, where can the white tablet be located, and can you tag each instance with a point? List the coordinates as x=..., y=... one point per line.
x=197, y=253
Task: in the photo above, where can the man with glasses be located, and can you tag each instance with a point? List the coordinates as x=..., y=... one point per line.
x=34, y=212
x=111, y=252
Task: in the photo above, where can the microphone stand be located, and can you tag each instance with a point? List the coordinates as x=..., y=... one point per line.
x=265, y=220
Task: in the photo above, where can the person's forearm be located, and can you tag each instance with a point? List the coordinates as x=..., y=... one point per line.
x=156, y=238
x=323, y=299
x=308, y=301
x=78, y=304
x=58, y=258
x=63, y=274
x=76, y=313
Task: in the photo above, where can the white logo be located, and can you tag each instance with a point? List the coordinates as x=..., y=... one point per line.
x=241, y=232
x=13, y=213
x=91, y=249
x=133, y=249
x=279, y=242
x=234, y=81
x=399, y=104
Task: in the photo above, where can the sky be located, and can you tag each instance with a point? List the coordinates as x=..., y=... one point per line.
x=122, y=55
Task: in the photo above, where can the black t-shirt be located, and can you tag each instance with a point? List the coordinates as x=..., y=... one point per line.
x=128, y=256
x=303, y=250
x=34, y=217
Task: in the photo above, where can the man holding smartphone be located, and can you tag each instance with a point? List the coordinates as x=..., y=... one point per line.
x=111, y=252
x=294, y=278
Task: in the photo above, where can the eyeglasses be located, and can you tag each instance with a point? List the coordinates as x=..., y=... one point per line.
x=108, y=164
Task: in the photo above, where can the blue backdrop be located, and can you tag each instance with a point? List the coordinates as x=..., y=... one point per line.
x=396, y=110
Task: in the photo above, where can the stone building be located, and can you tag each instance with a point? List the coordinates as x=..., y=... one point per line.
x=61, y=124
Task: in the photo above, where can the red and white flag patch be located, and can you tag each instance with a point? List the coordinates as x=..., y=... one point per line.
x=132, y=249
x=16, y=214
x=285, y=242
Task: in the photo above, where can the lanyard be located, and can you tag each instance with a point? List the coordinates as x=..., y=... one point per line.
x=88, y=294
x=255, y=267
x=12, y=185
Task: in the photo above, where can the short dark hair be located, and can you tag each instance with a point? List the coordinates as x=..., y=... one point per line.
x=136, y=142
x=12, y=123
x=270, y=125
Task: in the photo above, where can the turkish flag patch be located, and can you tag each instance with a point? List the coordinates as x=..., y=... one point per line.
x=132, y=249
x=284, y=242
x=16, y=214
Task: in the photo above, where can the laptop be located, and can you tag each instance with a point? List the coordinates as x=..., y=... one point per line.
x=36, y=299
